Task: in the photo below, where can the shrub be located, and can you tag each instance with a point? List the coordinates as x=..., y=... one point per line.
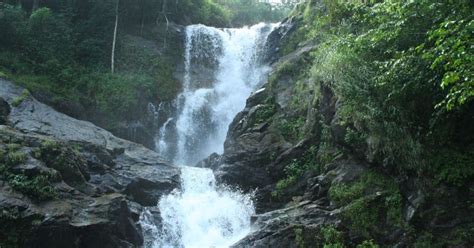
x=451, y=165
x=13, y=26
x=264, y=113
x=452, y=40
x=370, y=201
x=332, y=237
x=291, y=127
x=15, y=158
x=19, y=99
x=38, y=187
x=295, y=169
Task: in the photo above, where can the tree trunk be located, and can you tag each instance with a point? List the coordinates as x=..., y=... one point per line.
x=112, y=64
x=164, y=9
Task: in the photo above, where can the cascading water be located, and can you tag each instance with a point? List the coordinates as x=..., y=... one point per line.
x=203, y=215
x=161, y=144
x=222, y=68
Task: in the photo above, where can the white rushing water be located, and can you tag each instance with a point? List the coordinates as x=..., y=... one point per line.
x=222, y=68
x=203, y=215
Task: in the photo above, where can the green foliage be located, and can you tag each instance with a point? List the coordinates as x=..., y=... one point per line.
x=19, y=99
x=118, y=93
x=372, y=107
x=291, y=128
x=63, y=51
x=15, y=158
x=369, y=201
x=295, y=169
x=38, y=187
x=385, y=70
x=299, y=238
x=65, y=160
x=452, y=165
x=282, y=185
x=13, y=147
x=13, y=155
x=328, y=151
x=49, y=42
x=344, y=194
x=264, y=113
x=451, y=55
x=402, y=72
x=12, y=25
x=284, y=69
x=332, y=237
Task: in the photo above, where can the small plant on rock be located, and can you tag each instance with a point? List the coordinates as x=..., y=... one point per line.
x=19, y=99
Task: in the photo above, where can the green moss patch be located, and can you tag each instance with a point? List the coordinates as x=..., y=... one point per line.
x=38, y=187
x=369, y=203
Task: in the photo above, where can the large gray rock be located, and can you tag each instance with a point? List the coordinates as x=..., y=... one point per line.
x=77, y=221
x=98, y=177
x=281, y=228
x=130, y=158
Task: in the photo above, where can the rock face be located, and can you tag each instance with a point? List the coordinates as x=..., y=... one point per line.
x=312, y=187
x=68, y=183
x=280, y=228
x=256, y=151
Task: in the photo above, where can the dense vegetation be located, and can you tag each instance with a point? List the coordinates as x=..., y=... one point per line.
x=61, y=50
x=404, y=76
x=402, y=71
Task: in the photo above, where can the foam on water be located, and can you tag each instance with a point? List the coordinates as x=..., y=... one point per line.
x=202, y=215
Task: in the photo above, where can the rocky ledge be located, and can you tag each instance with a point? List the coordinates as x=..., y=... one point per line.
x=69, y=183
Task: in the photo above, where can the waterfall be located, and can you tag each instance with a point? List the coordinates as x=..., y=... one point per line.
x=161, y=143
x=222, y=68
x=202, y=214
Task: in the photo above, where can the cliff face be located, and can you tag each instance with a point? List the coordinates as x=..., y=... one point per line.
x=318, y=178
x=66, y=182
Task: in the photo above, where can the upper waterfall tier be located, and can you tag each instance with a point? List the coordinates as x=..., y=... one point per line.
x=222, y=68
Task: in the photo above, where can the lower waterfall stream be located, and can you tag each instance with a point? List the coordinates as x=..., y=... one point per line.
x=222, y=68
